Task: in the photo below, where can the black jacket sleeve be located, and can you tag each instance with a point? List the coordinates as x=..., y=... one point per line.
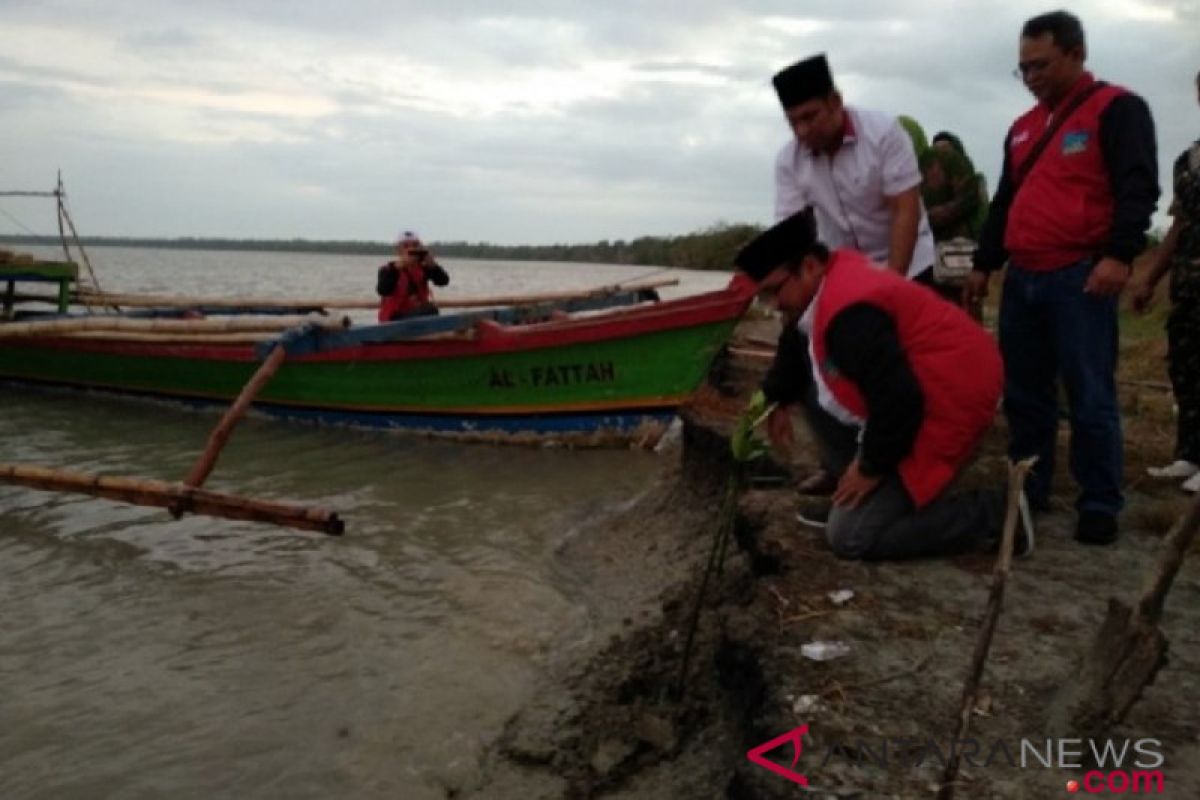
x=990, y=255
x=385, y=283
x=863, y=344
x=435, y=274
x=789, y=375
x=1131, y=157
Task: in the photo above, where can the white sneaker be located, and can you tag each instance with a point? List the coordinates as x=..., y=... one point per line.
x=1023, y=535
x=1177, y=469
x=815, y=513
x=1192, y=484
x=1024, y=547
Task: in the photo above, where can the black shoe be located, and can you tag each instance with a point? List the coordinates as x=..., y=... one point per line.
x=819, y=484
x=814, y=513
x=1096, y=527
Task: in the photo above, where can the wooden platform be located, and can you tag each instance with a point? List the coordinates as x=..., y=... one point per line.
x=16, y=269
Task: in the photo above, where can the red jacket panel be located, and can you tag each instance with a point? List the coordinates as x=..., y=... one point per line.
x=955, y=361
x=412, y=291
x=1063, y=211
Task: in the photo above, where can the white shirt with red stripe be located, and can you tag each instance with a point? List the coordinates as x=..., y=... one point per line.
x=848, y=189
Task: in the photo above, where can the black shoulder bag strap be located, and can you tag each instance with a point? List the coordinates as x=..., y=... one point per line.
x=1022, y=172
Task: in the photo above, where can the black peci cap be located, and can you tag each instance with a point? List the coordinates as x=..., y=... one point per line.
x=786, y=241
x=803, y=81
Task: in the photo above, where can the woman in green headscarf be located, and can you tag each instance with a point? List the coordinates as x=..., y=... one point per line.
x=954, y=193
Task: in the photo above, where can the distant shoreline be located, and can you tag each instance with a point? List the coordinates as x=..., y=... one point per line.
x=711, y=248
x=197, y=243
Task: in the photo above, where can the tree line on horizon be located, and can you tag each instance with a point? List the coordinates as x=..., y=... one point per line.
x=711, y=248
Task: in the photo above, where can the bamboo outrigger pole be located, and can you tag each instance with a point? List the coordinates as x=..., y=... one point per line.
x=189, y=497
x=102, y=324
x=220, y=434
x=139, y=491
x=164, y=301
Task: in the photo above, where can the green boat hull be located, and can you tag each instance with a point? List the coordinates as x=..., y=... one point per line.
x=547, y=379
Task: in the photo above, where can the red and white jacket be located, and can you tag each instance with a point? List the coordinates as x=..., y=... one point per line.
x=955, y=362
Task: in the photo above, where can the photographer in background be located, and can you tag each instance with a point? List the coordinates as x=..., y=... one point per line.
x=403, y=284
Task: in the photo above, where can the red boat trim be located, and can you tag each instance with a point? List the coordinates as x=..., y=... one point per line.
x=714, y=307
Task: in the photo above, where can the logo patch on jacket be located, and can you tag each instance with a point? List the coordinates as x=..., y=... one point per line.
x=1074, y=142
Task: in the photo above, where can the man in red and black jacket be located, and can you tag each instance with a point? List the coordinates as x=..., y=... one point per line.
x=908, y=382
x=1069, y=216
x=403, y=284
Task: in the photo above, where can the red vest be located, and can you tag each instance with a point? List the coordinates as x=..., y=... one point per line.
x=412, y=291
x=955, y=361
x=1062, y=213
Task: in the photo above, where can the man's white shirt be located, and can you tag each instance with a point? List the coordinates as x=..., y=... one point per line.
x=848, y=189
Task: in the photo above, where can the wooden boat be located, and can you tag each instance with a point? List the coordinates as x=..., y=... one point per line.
x=593, y=370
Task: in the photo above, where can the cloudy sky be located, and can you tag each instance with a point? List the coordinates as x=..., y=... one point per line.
x=510, y=121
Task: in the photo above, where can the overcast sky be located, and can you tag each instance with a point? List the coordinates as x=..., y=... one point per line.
x=526, y=121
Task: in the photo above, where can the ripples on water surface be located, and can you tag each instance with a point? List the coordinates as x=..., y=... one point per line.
x=144, y=657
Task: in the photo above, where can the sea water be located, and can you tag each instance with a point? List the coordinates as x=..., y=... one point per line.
x=146, y=657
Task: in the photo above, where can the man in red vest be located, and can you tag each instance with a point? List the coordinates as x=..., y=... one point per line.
x=403, y=284
x=1071, y=210
x=915, y=378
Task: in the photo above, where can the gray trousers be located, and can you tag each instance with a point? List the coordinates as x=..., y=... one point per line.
x=886, y=526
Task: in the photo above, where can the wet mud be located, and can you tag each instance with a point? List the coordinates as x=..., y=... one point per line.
x=616, y=720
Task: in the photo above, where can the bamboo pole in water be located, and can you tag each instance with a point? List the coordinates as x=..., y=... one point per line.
x=220, y=435
x=544, y=297
x=140, y=491
x=186, y=301
x=56, y=327
x=195, y=339
x=161, y=301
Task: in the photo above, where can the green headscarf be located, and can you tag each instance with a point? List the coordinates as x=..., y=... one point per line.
x=916, y=133
x=975, y=223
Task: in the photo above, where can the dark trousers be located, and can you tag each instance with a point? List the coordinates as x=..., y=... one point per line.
x=1051, y=329
x=1183, y=365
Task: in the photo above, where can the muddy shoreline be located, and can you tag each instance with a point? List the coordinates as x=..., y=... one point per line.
x=610, y=723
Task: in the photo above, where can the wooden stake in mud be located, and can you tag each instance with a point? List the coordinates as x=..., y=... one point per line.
x=1128, y=650
x=220, y=435
x=1016, y=482
x=143, y=492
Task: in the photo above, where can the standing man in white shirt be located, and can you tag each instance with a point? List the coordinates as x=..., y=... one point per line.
x=857, y=170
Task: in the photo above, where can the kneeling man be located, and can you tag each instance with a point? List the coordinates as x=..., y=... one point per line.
x=909, y=383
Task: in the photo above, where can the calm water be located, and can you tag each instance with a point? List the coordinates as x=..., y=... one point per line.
x=144, y=657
